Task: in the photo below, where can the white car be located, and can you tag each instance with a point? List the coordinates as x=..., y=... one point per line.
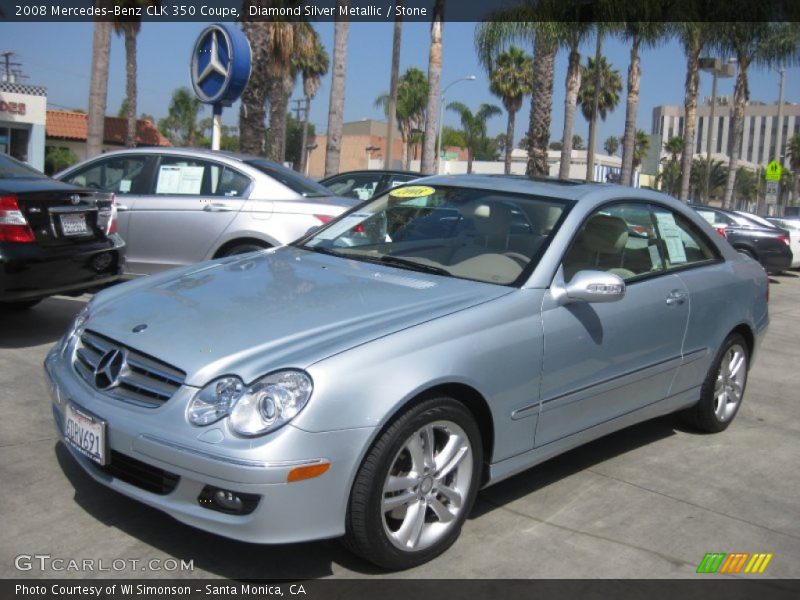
x=793, y=227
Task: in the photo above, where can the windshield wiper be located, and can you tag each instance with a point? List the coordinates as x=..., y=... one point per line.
x=413, y=265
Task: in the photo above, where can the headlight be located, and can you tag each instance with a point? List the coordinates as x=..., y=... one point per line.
x=214, y=401
x=265, y=406
x=76, y=327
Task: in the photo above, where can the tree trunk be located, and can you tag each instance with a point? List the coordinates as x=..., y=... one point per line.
x=252, y=133
x=740, y=95
x=429, y=158
x=304, y=138
x=595, y=100
x=469, y=159
x=98, y=88
x=279, y=92
x=573, y=84
x=512, y=117
x=544, y=53
x=629, y=139
x=391, y=118
x=333, y=147
x=130, y=85
x=690, y=116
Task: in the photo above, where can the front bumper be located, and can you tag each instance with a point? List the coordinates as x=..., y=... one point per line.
x=211, y=456
x=30, y=271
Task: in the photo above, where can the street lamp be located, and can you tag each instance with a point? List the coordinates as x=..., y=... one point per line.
x=309, y=149
x=718, y=69
x=441, y=118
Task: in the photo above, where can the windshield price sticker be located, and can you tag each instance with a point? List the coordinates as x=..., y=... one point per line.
x=412, y=191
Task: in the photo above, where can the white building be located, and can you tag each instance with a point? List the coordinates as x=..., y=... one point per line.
x=760, y=128
x=23, y=113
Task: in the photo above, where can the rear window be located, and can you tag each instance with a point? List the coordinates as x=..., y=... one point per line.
x=294, y=181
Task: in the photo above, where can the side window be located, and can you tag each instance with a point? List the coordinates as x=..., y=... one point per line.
x=184, y=176
x=359, y=186
x=681, y=242
x=120, y=175
x=231, y=184
x=619, y=239
x=395, y=180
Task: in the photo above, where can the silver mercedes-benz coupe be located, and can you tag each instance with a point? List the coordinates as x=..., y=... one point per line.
x=367, y=380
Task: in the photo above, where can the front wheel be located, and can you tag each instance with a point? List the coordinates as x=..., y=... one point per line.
x=416, y=486
x=722, y=392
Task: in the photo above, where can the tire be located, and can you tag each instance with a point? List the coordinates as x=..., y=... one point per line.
x=20, y=304
x=401, y=528
x=722, y=392
x=747, y=252
x=243, y=248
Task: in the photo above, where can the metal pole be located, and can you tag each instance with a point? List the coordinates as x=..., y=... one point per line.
x=216, y=127
x=779, y=135
x=710, y=137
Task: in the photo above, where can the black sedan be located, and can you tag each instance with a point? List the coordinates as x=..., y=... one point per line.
x=363, y=185
x=768, y=245
x=55, y=238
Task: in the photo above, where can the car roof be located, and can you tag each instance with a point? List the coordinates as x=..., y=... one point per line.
x=203, y=152
x=368, y=171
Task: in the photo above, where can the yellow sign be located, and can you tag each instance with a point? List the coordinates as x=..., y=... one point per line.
x=774, y=171
x=413, y=191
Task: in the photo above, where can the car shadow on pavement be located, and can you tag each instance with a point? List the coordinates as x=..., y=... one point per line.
x=42, y=324
x=211, y=553
x=574, y=461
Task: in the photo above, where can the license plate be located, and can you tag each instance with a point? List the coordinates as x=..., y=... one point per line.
x=86, y=433
x=74, y=224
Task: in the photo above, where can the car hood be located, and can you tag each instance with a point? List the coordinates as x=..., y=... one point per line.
x=284, y=307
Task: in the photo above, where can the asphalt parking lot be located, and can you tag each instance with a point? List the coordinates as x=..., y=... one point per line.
x=646, y=502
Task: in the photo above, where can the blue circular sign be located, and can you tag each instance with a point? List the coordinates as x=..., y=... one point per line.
x=220, y=66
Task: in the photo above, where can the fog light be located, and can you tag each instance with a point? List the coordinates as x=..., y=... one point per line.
x=226, y=501
x=101, y=262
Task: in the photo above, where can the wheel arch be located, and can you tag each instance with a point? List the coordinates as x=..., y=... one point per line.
x=240, y=240
x=747, y=333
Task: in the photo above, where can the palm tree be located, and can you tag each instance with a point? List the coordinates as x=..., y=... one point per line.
x=511, y=79
x=717, y=176
x=746, y=187
x=610, y=87
x=640, y=34
x=694, y=36
x=577, y=142
x=98, y=88
x=313, y=68
x=670, y=177
x=473, y=125
x=674, y=147
x=412, y=96
x=129, y=27
x=391, y=125
x=333, y=145
x=180, y=125
x=793, y=152
x=570, y=34
x=641, y=145
x=611, y=145
x=753, y=43
x=429, y=158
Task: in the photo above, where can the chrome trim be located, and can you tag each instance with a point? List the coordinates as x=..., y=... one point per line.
x=240, y=462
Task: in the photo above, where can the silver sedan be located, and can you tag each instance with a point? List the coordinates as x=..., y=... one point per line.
x=366, y=381
x=178, y=206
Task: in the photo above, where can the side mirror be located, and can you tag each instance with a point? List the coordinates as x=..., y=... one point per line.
x=594, y=286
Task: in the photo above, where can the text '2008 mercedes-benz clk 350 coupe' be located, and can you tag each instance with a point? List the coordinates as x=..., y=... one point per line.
x=367, y=380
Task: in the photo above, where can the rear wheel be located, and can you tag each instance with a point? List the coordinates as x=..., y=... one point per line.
x=723, y=390
x=20, y=305
x=416, y=486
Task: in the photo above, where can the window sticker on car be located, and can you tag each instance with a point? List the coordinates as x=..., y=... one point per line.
x=655, y=258
x=179, y=179
x=413, y=191
x=671, y=234
x=124, y=186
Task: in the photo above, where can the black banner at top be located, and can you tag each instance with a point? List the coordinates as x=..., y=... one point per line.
x=407, y=10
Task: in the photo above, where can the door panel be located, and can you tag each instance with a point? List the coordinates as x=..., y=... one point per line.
x=604, y=360
x=192, y=203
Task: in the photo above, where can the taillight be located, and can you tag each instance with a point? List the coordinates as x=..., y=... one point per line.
x=721, y=231
x=784, y=238
x=325, y=219
x=13, y=225
x=112, y=222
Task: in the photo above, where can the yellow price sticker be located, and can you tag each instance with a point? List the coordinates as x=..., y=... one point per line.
x=412, y=191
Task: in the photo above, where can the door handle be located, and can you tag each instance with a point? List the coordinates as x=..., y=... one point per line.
x=217, y=207
x=676, y=297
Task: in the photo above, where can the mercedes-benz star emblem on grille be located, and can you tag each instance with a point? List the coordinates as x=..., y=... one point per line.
x=110, y=368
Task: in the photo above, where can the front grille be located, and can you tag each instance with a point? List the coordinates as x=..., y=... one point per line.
x=142, y=380
x=142, y=475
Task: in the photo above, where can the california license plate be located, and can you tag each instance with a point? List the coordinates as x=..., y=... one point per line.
x=74, y=224
x=86, y=433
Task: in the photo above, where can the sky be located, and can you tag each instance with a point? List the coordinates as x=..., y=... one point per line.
x=58, y=56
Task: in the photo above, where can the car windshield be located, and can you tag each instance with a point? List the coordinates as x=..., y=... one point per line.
x=13, y=169
x=482, y=235
x=295, y=182
x=756, y=220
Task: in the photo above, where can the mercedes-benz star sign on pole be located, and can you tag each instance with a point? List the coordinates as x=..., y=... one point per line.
x=220, y=69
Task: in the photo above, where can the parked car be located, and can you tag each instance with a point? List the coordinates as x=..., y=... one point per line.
x=179, y=206
x=793, y=227
x=768, y=245
x=54, y=238
x=369, y=390
x=363, y=185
